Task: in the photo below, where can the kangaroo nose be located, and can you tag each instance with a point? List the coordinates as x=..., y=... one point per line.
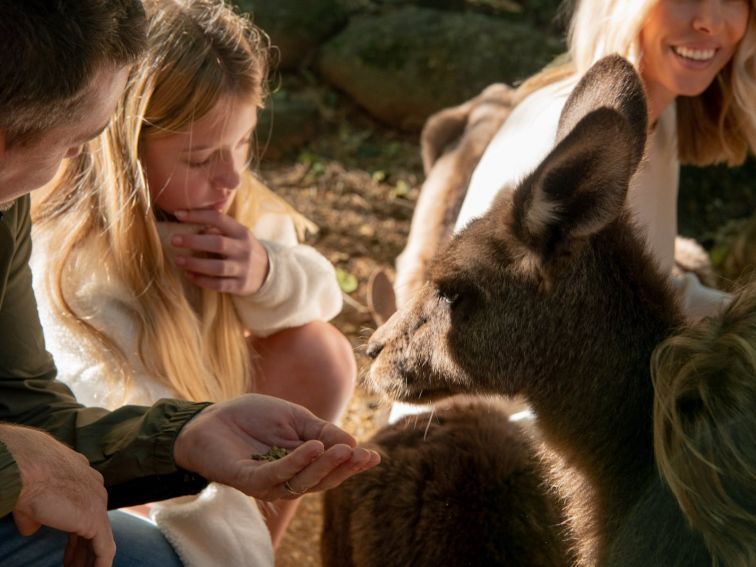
x=374, y=348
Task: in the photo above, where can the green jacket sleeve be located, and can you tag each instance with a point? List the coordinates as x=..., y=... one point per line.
x=132, y=447
x=10, y=480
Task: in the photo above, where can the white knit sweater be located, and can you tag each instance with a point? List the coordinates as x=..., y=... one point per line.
x=300, y=287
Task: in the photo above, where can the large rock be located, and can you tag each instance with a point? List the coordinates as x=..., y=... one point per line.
x=286, y=124
x=542, y=13
x=408, y=63
x=297, y=27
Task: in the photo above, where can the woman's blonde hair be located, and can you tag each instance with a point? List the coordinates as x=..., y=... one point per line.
x=717, y=126
x=198, y=51
x=704, y=424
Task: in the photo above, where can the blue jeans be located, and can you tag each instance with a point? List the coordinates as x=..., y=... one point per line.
x=138, y=543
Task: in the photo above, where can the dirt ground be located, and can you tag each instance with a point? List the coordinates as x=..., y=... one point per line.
x=358, y=182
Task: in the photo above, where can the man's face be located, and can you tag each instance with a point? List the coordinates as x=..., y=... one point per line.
x=25, y=167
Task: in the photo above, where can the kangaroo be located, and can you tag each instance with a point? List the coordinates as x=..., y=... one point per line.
x=551, y=295
x=461, y=487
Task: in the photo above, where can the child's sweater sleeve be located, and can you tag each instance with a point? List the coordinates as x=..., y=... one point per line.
x=301, y=285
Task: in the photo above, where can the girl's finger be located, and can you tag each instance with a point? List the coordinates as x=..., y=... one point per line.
x=221, y=221
x=213, y=243
x=218, y=268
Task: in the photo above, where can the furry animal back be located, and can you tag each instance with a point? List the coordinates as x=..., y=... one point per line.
x=459, y=487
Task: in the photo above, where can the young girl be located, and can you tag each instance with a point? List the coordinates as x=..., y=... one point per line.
x=696, y=60
x=145, y=266
x=704, y=419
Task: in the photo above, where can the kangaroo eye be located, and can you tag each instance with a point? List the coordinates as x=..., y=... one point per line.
x=448, y=296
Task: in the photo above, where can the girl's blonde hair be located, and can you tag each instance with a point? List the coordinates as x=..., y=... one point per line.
x=704, y=424
x=719, y=125
x=198, y=51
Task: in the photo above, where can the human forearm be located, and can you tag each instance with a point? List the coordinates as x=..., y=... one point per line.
x=125, y=445
x=133, y=449
x=697, y=300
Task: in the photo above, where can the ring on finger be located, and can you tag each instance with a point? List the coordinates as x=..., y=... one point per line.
x=291, y=490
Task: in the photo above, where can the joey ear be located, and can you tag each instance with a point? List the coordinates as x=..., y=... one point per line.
x=440, y=131
x=578, y=189
x=612, y=82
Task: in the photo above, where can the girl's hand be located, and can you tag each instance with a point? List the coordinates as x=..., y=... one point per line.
x=232, y=260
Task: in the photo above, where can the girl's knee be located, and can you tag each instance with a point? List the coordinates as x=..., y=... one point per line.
x=312, y=365
x=331, y=352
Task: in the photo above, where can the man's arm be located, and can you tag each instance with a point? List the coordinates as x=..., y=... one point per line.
x=132, y=447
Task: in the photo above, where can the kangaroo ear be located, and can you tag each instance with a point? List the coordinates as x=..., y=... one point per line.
x=611, y=82
x=578, y=189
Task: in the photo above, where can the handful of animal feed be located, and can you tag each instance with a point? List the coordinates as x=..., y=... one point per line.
x=272, y=454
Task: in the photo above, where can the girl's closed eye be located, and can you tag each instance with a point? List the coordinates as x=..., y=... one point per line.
x=199, y=163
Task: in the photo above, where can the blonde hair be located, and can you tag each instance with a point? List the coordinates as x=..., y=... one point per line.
x=198, y=51
x=704, y=423
x=719, y=125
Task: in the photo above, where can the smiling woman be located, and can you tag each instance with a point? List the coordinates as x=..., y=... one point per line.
x=685, y=45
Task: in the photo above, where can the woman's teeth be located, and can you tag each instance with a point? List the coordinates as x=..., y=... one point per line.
x=695, y=54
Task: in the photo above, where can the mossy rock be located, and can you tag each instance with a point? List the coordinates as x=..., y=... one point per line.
x=544, y=14
x=297, y=27
x=405, y=64
x=286, y=124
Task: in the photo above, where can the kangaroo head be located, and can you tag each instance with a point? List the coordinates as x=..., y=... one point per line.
x=510, y=292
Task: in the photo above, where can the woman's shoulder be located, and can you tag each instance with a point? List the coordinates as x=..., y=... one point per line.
x=533, y=122
x=527, y=135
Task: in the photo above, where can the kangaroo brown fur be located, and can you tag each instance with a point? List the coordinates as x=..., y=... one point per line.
x=458, y=487
x=551, y=295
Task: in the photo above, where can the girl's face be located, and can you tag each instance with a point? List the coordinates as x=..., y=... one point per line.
x=685, y=43
x=200, y=167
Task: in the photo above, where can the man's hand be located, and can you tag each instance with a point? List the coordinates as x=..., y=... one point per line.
x=62, y=491
x=218, y=443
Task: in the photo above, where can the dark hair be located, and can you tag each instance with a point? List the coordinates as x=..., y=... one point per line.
x=49, y=52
